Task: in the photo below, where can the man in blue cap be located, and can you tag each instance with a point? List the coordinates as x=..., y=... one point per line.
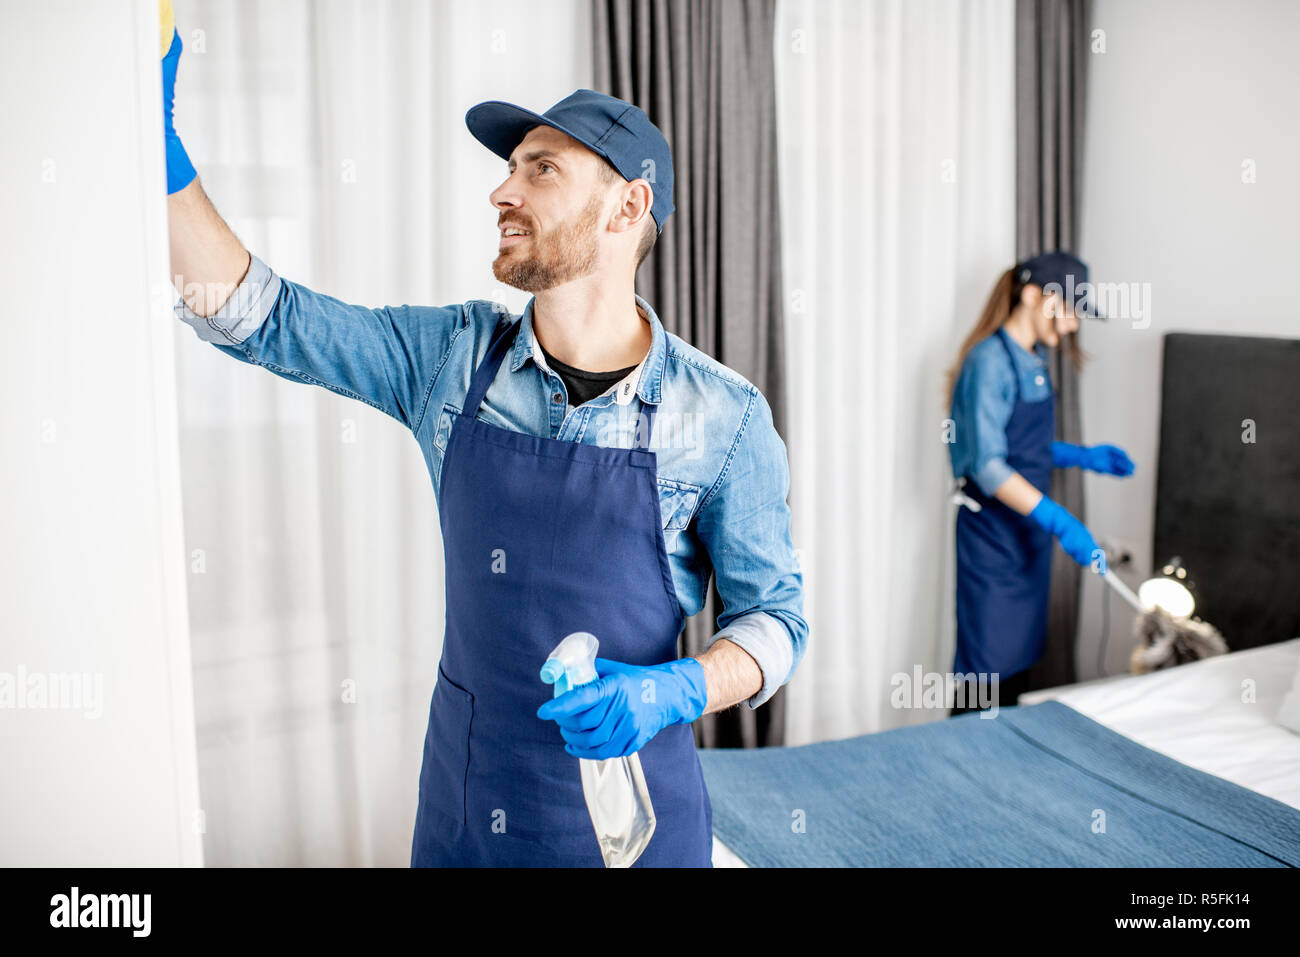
x=596, y=132
x=557, y=517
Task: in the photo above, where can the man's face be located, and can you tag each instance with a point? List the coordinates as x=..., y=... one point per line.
x=553, y=194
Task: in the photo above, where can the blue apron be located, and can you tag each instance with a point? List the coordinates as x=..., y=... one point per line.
x=1004, y=560
x=542, y=538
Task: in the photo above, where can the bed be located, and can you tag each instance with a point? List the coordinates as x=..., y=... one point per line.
x=1183, y=767
x=1177, y=768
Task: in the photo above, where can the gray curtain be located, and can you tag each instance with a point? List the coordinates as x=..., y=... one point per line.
x=1051, y=60
x=703, y=71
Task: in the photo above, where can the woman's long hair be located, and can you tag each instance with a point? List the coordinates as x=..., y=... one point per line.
x=1003, y=299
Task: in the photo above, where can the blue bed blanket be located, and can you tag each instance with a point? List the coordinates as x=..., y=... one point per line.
x=1037, y=786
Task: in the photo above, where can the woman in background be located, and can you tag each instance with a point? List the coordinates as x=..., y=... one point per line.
x=1003, y=453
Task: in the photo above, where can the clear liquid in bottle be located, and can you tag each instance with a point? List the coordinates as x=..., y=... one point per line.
x=619, y=803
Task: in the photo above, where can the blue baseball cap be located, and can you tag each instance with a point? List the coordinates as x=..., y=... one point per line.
x=609, y=127
x=1068, y=273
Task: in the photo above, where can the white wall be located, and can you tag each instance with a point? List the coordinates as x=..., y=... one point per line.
x=1184, y=94
x=91, y=575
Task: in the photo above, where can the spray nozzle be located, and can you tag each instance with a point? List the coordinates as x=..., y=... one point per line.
x=552, y=671
x=572, y=663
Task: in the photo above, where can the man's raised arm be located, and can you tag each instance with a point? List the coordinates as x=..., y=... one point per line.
x=387, y=357
x=207, y=260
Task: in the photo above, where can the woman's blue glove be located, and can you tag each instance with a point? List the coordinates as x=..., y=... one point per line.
x=1071, y=533
x=180, y=171
x=1106, y=459
x=626, y=706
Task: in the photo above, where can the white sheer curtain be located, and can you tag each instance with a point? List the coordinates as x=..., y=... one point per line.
x=897, y=136
x=331, y=137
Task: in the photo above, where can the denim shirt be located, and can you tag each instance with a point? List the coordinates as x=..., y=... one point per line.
x=722, y=468
x=982, y=404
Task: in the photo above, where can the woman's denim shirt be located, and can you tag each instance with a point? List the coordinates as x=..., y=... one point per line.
x=982, y=404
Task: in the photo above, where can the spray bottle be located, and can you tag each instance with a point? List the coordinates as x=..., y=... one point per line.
x=617, y=797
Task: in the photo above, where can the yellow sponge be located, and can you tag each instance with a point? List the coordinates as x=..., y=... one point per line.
x=166, y=26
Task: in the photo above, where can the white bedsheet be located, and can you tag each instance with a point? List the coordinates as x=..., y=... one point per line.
x=1196, y=713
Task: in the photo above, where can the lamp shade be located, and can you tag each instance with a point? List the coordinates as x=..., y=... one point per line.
x=1168, y=594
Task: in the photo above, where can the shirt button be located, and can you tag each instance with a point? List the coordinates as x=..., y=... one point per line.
x=1038, y=380
x=557, y=398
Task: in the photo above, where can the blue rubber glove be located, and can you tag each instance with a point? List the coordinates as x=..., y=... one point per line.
x=1106, y=459
x=626, y=706
x=180, y=171
x=1071, y=533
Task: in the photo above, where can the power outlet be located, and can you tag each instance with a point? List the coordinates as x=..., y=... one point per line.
x=1119, y=553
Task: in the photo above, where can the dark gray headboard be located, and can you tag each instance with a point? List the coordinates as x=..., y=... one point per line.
x=1231, y=508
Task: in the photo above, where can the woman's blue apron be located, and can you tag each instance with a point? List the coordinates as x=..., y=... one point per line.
x=1004, y=560
x=542, y=538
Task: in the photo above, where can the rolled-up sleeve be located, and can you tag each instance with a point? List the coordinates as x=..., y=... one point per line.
x=992, y=474
x=387, y=357
x=744, y=523
x=768, y=641
x=983, y=402
x=245, y=310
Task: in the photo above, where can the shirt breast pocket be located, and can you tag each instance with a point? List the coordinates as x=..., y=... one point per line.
x=445, y=419
x=677, y=502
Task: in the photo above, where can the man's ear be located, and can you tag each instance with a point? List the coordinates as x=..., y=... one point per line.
x=638, y=199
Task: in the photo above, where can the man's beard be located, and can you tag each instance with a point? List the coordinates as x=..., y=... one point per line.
x=567, y=253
